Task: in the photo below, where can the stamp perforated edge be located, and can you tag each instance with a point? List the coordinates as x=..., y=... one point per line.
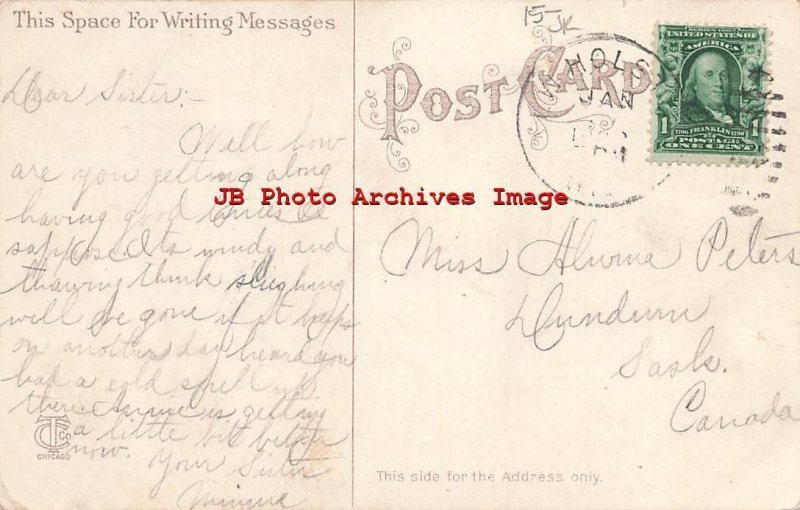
x=678, y=159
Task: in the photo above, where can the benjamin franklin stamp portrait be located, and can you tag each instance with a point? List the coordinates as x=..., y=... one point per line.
x=710, y=102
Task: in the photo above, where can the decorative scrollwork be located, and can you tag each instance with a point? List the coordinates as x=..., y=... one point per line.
x=539, y=137
x=394, y=155
x=400, y=46
x=597, y=123
x=492, y=71
x=372, y=116
x=545, y=37
x=407, y=126
x=369, y=113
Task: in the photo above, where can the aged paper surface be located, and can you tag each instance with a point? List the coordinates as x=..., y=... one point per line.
x=623, y=335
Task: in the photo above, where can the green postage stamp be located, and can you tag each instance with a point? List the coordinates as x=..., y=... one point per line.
x=710, y=100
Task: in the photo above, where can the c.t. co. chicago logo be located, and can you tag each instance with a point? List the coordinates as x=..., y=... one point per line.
x=52, y=432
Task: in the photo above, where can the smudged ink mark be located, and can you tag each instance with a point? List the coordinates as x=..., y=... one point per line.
x=743, y=210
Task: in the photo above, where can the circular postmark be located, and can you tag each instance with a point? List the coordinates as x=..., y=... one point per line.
x=585, y=106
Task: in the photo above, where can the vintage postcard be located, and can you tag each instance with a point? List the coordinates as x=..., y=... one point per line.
x=399, y=255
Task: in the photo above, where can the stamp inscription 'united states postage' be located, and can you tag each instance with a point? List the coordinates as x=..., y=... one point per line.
x=711, y=98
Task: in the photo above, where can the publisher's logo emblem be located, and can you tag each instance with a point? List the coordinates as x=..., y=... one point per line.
x=52, y=432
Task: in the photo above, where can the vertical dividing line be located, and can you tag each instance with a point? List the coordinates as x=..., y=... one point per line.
x=353, y=296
